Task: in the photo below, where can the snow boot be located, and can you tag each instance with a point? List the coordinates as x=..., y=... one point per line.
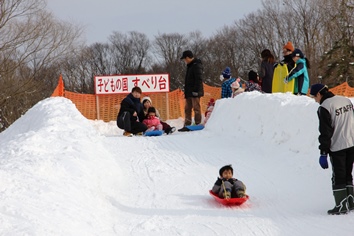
x=127, y=134
x=340, y=197
x=350, y=194
x=184, y=129
x=170, y=130
x=227, y=193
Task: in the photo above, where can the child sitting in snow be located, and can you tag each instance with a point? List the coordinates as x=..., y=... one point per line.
x=151, y=120
x=228, y=187
x=209, y=109
x=236, y=88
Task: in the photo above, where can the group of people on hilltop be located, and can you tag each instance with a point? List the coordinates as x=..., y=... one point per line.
x=135, y=112
x=297, y=65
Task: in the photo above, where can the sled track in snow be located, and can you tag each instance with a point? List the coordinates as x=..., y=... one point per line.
x=169, y=178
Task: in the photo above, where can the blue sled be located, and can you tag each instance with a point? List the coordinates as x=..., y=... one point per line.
x=195, y=127
x=154, y=133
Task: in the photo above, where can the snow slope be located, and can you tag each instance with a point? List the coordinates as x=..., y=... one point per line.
x=61, y=174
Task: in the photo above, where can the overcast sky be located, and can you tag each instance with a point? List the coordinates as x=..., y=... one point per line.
x=101, y=18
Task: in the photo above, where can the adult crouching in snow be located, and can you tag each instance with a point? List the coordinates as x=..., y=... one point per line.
x=131, y=114
x=336, y=126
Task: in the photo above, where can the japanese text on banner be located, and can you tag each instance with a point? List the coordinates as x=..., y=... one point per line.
x=124, y=83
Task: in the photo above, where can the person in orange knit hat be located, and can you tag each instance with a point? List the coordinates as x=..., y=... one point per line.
x=288, y=49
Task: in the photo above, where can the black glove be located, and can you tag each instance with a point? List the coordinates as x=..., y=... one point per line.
x=195, y=94
x=218, y=182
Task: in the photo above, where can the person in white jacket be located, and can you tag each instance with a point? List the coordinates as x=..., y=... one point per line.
x=336, y=126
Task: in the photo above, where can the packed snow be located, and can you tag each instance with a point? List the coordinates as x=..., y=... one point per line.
x=61, y=174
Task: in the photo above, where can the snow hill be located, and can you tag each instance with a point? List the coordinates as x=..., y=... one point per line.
x=61, y=174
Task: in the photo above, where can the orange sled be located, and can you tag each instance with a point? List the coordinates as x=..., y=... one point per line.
x=230, y=201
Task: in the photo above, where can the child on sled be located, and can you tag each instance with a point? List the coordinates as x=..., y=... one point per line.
x=228, y=187
x=151, y=120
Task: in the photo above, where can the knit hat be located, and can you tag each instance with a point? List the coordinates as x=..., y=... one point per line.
x=297, y=53
x=252, y=75
x=151, y=109
x=236, y=84
x=187, y=53
x=227, y=167
x=316, y=88
x=289, y=46
x=226, y=73
x=145, y=99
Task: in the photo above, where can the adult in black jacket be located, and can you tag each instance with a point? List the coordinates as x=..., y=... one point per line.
x=131, y=114
x=193, y=89
x=266, y=70
x=336, y=118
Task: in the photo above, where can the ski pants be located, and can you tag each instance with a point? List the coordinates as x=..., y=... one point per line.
x=342, y=167
x=134, y=127
x=231, y=187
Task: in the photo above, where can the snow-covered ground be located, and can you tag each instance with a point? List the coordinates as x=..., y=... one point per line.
x=61, y=174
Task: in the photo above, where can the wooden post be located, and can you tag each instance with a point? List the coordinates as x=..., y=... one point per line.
x=97, y=107
x=168, y=106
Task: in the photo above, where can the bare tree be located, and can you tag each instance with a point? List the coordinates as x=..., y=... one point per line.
x=130, y=52
x=32, y=41
x=169, y=48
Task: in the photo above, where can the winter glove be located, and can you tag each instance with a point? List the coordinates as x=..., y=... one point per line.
x=218, y=182
x=240, y=193
x=323, y=161
x=286, y=80
x=195, y=94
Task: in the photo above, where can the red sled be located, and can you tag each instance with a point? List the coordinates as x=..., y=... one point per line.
x=230, y=201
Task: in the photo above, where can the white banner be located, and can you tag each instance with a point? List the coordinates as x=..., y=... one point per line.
x=112, y=84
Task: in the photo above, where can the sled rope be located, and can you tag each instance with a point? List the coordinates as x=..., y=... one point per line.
x=223, y=185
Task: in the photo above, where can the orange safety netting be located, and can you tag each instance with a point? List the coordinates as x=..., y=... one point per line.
x=343, y=89
x=105, y=107
x=170, y=105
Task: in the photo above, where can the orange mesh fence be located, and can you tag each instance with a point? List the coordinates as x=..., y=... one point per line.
x=170, y=105
x=59, y=90
x=85, y=103
x=106, y=107
x=343, y=89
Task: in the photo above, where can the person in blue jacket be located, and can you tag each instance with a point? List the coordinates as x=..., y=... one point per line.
x=299, y=73
x=227, y=80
